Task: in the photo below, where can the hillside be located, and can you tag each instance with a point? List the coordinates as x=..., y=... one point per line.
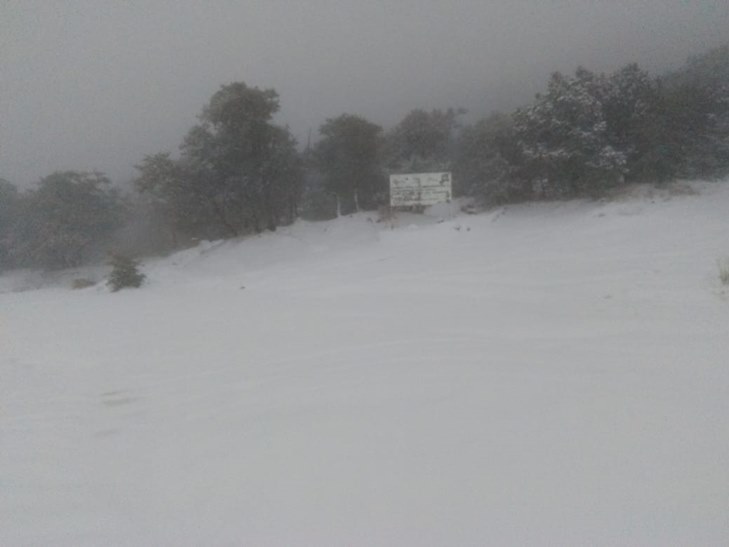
x=551, y=373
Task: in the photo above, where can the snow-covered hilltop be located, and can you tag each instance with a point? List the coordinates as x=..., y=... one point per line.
x=552, y=373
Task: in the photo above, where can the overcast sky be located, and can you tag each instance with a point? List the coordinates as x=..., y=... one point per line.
x=98, y=84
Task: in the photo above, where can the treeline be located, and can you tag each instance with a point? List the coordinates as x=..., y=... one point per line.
x=237, y=172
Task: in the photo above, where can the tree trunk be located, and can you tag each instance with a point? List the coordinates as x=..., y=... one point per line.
x=223, y=220
x=174, y=238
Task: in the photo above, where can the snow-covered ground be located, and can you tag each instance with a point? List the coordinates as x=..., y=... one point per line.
x=547, y=374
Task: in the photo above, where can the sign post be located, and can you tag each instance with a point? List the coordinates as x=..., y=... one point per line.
x=420, y=189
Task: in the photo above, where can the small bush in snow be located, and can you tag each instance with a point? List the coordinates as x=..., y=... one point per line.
x=724, y=271
x=124, y=273
x=82, y=283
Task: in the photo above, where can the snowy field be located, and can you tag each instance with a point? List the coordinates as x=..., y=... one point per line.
x=546, y=374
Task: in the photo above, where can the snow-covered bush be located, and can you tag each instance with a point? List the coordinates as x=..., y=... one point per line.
x=82, y=283
x=564, y=139
x=124, y=273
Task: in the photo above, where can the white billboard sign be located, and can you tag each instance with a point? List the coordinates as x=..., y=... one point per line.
x=420, y=189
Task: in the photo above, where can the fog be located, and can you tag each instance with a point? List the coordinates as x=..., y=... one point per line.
x=99, y=84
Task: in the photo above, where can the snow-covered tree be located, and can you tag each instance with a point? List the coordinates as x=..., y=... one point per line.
x=252, y=163
x=639, y=125
x=124, y=273
x=238, y=172
x=564, y=141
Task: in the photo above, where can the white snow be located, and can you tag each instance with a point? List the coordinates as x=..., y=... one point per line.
x=546, y=374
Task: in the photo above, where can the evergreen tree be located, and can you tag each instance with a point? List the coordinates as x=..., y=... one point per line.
x=238, y=172
x=316, y=203
x=124, y=273
x=67, y=220
x=636, y=124
x=162, y=182
x=254, y=163
x=696, y=100
x=484, y=160
x=9, y=204
x=422, y=141
x=349, y=159
x=564, y=141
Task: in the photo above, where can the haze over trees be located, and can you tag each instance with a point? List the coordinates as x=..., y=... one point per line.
x=8, y=211
x=422, y=141
x=237, y=172
x=484, y=162
x=69, y=219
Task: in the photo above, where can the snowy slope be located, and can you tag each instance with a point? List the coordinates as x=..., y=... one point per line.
x=544, y=374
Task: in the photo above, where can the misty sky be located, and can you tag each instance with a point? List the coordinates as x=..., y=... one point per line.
x=98, y=84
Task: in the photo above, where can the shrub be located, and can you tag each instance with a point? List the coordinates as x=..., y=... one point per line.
x=724, y=271
x=82, y=283
x=124, y=273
